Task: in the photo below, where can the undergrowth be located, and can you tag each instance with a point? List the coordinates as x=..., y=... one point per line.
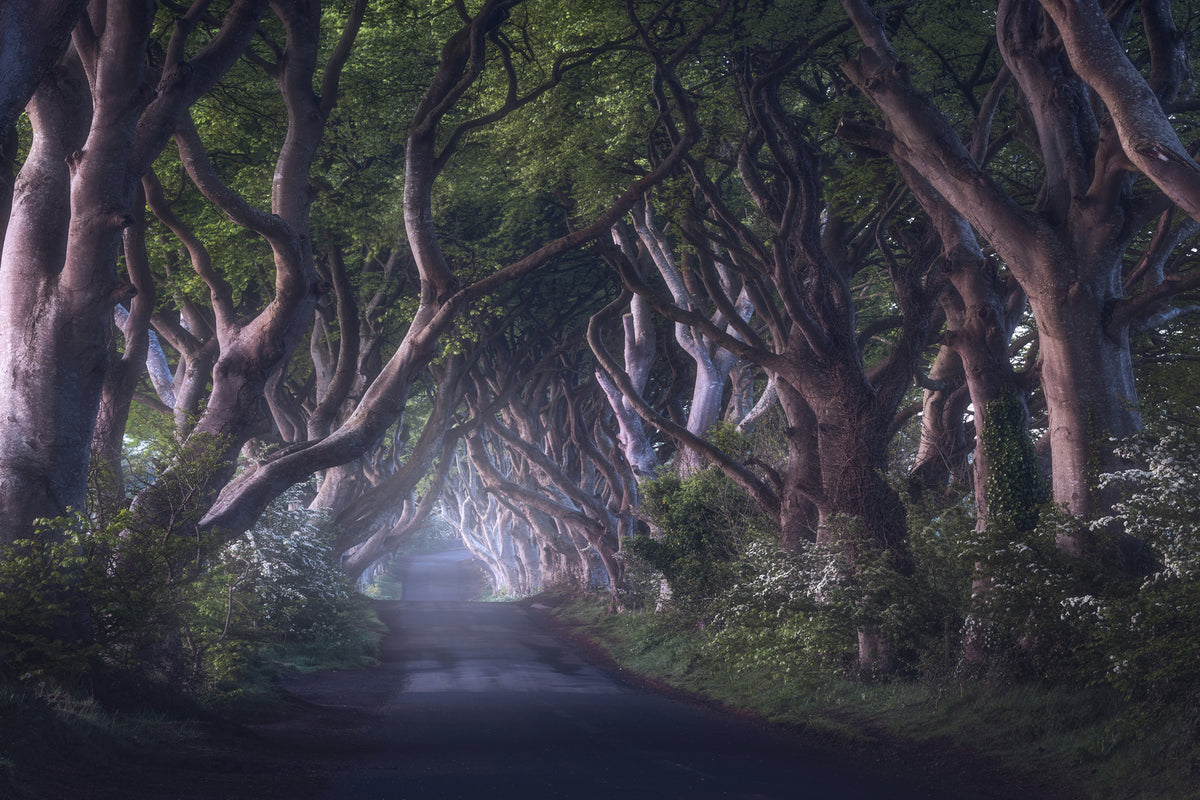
x=1081, y=663
x=1088, y=740
x=112, y=640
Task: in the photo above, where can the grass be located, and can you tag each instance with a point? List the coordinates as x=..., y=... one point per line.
x=1083, y=739
x=47, y=737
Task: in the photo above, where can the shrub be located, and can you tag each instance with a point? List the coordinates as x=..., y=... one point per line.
x=1125, y=614
x=786, y=613
x=1145, y=641
x=702, y=523
x=171, y=610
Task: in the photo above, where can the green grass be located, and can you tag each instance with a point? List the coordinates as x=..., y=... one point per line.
x=1083, y=739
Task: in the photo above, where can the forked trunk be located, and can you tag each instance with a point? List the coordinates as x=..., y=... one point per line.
x=58, y=284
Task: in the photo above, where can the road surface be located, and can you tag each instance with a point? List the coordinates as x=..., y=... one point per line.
x=480, y=700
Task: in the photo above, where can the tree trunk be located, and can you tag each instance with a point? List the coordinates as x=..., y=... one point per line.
x=122, y=380
x=941, y=459
x=1087, y=377
x=58, y=285
x=58, y=278
x=799, y=518
x=35, y=35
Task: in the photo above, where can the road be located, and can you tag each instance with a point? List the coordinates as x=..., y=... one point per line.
x=481, y=700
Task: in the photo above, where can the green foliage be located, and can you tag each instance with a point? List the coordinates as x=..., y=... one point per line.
x=726, y=437
x=1015, y=486
x=1022, y=580
x=280, y=584
x=787, y=613
x=641, y=586
x=82, y=600
x=703, y=522
x=791, y=613
x=38, y=612
x=799, y=613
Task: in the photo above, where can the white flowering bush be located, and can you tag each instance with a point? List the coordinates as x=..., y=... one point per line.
x=1021, y=578
x=786, y=613
x=280, y=585
x=800, y=613
x=1125, y=613
x=287, y=559
x=1145, y=641
x=702, y=524
x=96, y=596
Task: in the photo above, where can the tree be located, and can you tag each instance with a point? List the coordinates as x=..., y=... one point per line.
x=1066, y=247
x=712, y=364
x=38, y=32
x=545, y=447
x=99, y=119
x=443, y=294
x=760, y=214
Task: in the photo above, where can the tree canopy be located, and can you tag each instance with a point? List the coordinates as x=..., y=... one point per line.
x=513, y=263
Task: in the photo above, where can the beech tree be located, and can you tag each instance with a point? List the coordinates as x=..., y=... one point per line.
x=37, y=33
x=100, y=116
x=231, y=350
x=1069, y=246
x=760, y=214
x=443, y=294
x=545, y=449
x=645, y=246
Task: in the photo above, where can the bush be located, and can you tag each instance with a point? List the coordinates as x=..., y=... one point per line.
x=703, y=522
x=1022, y=578
x=83, y=599
x=1145, y=641
x=1125, y=614
x=786, y=613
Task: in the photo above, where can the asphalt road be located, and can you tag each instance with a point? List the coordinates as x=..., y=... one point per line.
x=481, y=700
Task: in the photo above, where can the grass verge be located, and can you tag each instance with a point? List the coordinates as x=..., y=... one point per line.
x=1026, y=740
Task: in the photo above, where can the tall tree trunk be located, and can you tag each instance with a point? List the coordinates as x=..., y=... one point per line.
x=799, y=518
x=122, y=379
x=941, y=459
x=35, y=33
x=1066, y=253
x=1087, y=377
x=58, y=284
x=98, y=125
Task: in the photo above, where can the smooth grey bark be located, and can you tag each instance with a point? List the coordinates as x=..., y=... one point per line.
x=1146, y=134
x=99, y=121
x=712, y=363
x=941, y=458
x=46, y=348
x=126, y=370
x=1066, y=252
x=639, y=352
x=251, y=350
x=34, y=34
